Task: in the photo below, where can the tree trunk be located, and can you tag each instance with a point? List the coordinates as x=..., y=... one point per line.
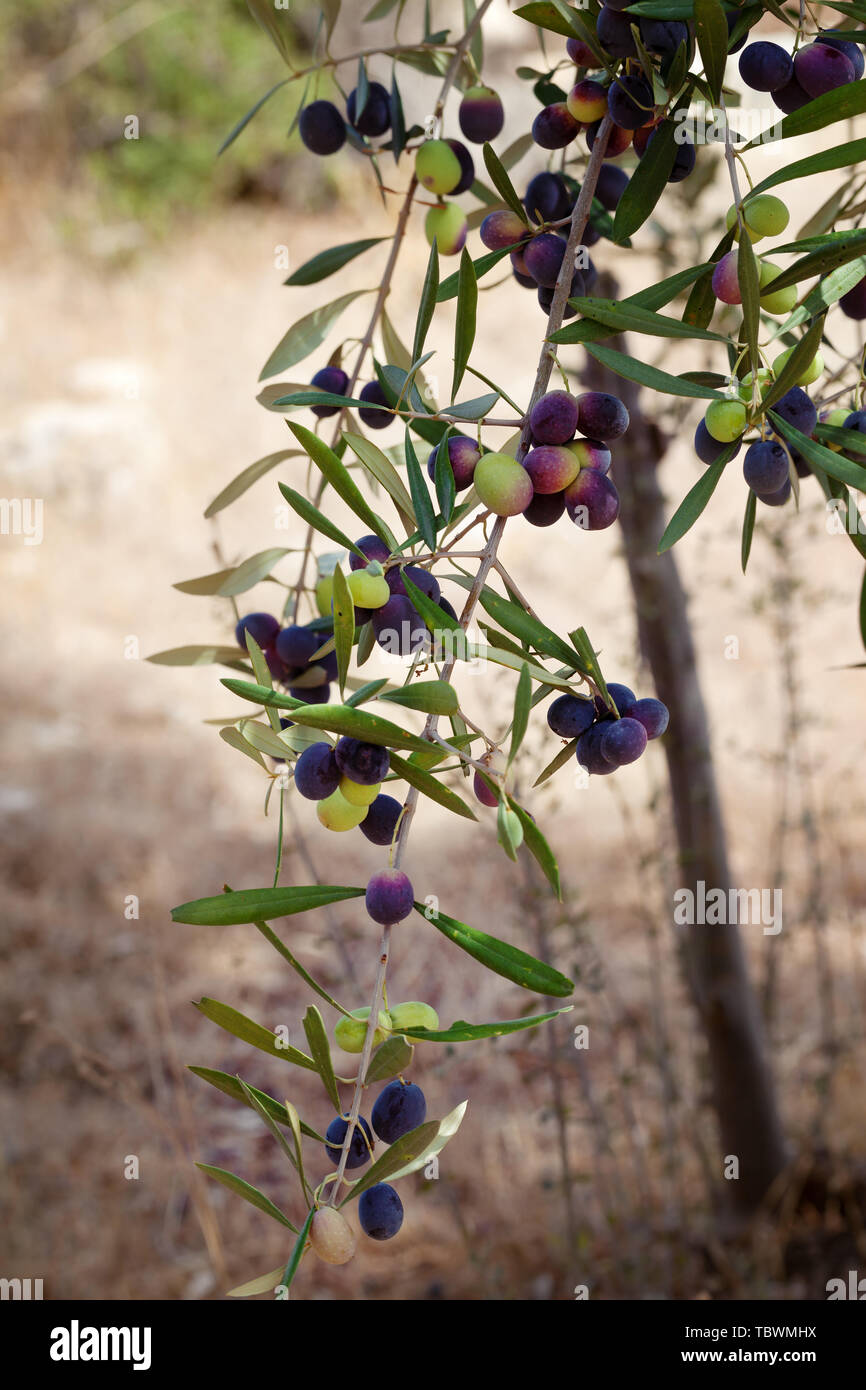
x=742, y=1085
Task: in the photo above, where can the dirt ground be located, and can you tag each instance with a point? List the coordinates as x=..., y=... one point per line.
x=128, y=400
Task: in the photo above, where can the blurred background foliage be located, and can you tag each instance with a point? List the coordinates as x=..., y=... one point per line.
x=79, y=68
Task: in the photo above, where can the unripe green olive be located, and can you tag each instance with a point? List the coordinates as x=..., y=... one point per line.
x=764, y=215
x=332, y=1237
x=503, y=484
x=810, y=373
x=324, y=594
x=368, y=590
x=358, y=795
x=349, y=1033
x=775, y=301
x=414, y=1015
x=336, y=813
x=437, y=166
x=725, y=420
x=764, y=377
x=515, y=828
x=447, y=226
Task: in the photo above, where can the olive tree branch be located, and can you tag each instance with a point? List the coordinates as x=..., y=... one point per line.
x=384, y=951
x=580, y=217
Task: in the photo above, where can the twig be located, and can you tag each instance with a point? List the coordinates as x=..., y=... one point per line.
x=580, y=217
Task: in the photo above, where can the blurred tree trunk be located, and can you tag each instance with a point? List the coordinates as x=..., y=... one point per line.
x=742, y=1085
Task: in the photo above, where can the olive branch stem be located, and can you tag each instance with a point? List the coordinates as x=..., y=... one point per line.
x=387, y=276
x=579, y=219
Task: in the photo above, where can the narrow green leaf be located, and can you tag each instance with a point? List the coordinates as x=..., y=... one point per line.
x=500, y=957
x=538, y=847
x=839, y=157
x=443, y=477
x=307, y=334
x=852, y=440
x=431, y=786
x=330, y=261
x=504, y=187
x=398, y=119
x=231, y=1021
x=255, y=904
x=320, y=1051
x=393, y=1058
x=647, y=183
x=520, y=718
x=296, y=400
x=750, y=290
x=244, y=480
x=231, y=1086
x=197, y=656
x=748, y=528
x=410, y=1146
x=563, y=756
x=282, y=949
x=336, y=719
x=624, y=317
x=476, y=409
x=251, y=572
x=527, y=628
x=298, y=1252
x=795, y=365
x=318, y=520
x=368, y=691
x=344, y=627
x=380, y=467
x=262, y=674
x=422, y=505
x=205, y=584
x=432, y=697
x=266, y=17
x=828, y=291
x=835, y=252
x=263, y=738
x=253, y=111
x=447, y=1128
x=692, y=505
x=336, y=473
x=450, y=287
x=836, y=465
x=464, y=330
x=235, y=739
x=711, y=32
x=649, y=376
x=427, y=303
x=461, y=1031
x=562, y=19
x=247, y=1191
x=265, y=1283
x=267, y=1119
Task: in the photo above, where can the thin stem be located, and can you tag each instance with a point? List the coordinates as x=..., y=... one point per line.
x=503, y=573
x=580, y=217
x=379, y=988
x=363, y=349
x=459, y=52
x=393, y=52
x=364, y=1062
